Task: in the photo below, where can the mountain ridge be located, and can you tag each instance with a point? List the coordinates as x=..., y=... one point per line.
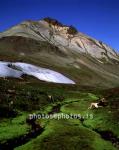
x=77, y=41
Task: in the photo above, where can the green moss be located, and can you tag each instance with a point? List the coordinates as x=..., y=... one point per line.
x=67, y=134
x=12, y=128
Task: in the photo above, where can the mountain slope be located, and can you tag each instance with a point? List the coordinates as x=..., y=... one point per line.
x=50, y=44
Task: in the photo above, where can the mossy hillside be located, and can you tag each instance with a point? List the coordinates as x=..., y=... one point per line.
x=12, y=128
x=76, y=101
x=67, y=134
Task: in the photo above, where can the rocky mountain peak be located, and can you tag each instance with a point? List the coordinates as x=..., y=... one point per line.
x=66, y=38
x=54, y=22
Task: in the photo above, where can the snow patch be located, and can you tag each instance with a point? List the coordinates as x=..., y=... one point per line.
x=17, y=69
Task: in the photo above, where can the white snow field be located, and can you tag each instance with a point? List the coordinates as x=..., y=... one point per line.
x=17, y=69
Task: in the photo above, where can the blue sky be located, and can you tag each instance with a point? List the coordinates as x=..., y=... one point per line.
x=97, y=18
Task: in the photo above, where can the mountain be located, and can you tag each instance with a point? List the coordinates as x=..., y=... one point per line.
x=50, y=44
x=78, y=71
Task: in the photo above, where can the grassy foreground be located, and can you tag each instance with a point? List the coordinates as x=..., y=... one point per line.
x=62, y=134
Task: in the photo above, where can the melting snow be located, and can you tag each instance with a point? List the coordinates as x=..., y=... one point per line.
x=17, y=69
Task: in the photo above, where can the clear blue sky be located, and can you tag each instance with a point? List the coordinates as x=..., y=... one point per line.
x=97, y=18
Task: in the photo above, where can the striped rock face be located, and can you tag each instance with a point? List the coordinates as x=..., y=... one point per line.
x=59, y=36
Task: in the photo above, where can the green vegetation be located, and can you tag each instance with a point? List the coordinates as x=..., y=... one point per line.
x=12, y=128
x=70, y=134
x=67, y=134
